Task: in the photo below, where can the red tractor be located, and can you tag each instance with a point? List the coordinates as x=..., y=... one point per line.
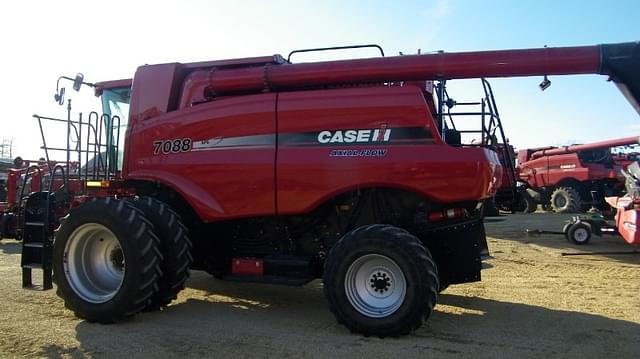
x=571, y=179
x=263, y=170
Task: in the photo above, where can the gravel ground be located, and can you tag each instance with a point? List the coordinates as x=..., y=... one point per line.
x=533, y=303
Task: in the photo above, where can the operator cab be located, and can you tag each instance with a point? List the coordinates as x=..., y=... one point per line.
x=115, y=97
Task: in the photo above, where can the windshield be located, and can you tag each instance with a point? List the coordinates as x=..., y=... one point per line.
x=602, y=156
x=115, y=103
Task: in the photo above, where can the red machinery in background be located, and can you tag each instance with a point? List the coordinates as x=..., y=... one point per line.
x=570, y=179
x=32, y=176
x=624, y=159
x=627, y=218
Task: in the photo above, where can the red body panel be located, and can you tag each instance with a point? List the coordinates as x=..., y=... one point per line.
x=308, y=175
x=231, y=170
x=627, y=218
x=222, y=181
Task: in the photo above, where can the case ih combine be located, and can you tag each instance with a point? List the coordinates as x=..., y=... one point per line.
x=570, y=179
x=261, y=170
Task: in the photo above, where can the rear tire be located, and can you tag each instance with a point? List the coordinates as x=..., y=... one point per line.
x=380, y=280
x=175, y=247
x=565, y=200
x=106, y=262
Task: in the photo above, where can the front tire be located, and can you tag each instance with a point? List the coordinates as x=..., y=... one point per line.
x=380, y=280
x=106, y=262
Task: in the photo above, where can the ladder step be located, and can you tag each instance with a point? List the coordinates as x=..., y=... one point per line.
x=32, y=266
x=35, y=224
x=33, y=245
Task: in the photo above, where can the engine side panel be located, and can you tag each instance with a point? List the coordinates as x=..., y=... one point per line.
x=331, y=141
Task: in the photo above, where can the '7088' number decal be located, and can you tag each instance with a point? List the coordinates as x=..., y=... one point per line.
x=172, y=146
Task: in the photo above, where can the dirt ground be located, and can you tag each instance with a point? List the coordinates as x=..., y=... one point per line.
x=533, y=303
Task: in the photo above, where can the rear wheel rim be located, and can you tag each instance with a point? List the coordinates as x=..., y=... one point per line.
x=375, y=285
x=94, y=263
x=581, y=235
x=560, y=202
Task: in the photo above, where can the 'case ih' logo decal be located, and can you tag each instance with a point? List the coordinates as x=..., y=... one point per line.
x=382, y=134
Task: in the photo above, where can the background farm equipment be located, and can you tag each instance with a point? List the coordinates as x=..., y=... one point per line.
x=573, y=178
x=626, y=219
x=579, y=229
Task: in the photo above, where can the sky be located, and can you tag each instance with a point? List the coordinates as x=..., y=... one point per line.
x=42, y=40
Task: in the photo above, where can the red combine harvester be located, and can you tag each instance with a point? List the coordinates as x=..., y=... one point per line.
x=262, y=170
x=570, y=179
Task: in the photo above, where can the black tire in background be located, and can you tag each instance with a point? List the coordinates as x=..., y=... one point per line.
x=106, y=260
x=384, y=258
x=175, y=247
x=566, y=200
x=490, y=209
x=530, y=204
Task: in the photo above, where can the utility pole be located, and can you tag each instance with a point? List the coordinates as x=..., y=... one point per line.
x=6, y=148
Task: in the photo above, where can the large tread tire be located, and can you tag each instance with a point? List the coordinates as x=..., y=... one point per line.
x=410, y=256
x=566, y=200
x=490, y=209
x=530, y=204
x=140, y=257
x=175, y=247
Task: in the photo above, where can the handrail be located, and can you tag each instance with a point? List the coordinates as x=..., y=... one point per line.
x=335, y=48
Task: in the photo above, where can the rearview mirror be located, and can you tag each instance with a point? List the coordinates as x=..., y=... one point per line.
x=60, y=96
x=77, y=82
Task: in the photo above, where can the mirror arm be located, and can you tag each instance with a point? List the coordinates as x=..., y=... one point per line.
x=72, y=80
x=59, y=96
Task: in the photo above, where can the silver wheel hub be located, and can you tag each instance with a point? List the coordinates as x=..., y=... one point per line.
x=94, y=264
x=375, y=285
x=580, y=235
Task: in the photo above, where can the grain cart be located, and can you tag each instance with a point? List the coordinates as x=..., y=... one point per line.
x=571, y=178
x=263, y=170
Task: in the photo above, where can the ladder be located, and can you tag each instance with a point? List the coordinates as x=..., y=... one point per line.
x=37, y=240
